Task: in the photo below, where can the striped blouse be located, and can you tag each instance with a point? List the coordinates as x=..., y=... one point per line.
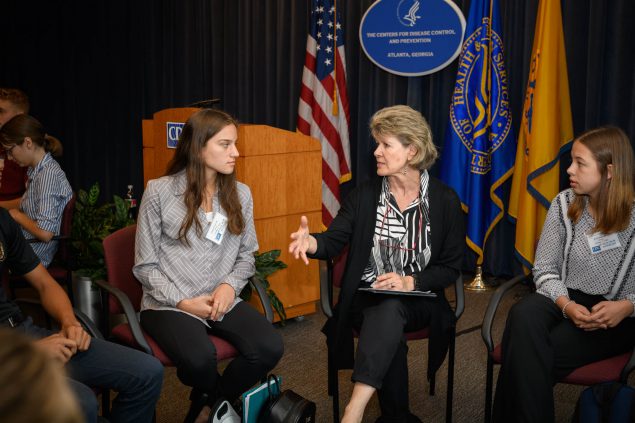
x=564, y=258
x=46, y=195
x=402, y=238
x=171, y=271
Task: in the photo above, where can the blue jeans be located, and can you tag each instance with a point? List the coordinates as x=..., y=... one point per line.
x=135, y=375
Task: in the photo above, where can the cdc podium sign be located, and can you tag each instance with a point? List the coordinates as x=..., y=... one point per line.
x=173, y=133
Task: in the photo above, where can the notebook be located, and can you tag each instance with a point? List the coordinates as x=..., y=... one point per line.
x=393, y=292
x=255, y=398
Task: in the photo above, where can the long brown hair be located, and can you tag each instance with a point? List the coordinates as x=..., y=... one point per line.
x=609, y=146
x=198, y=129
x=21, y=126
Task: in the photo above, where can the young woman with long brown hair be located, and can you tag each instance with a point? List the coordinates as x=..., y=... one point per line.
x=582, y=310
x=194, y=253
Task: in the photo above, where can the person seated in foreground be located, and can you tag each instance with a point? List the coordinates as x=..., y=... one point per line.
x=195, y=248
x=136, y=376
x=33, y=388
x=12, y=177
x=406, y=232
x=40, y=209
x=582, y=310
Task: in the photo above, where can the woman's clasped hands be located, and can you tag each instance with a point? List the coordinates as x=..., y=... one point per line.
x=212, y=306
x=603, y=315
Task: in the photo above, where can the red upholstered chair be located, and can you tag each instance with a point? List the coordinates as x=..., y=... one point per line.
x=612, y=369
x=333, y=279
x=124, y=294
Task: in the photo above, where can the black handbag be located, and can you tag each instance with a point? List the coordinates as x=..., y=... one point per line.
x=286, y=407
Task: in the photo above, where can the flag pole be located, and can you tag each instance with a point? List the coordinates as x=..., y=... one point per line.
x=478, y=283
x=335, y=108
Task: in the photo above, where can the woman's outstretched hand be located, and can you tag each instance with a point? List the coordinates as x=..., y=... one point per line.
x=302, y=241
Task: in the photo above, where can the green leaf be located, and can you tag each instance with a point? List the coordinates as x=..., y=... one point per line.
x=267, y=263
x=93, y=194
x=92, y=222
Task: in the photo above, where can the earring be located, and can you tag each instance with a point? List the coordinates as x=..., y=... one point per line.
x=404, y=171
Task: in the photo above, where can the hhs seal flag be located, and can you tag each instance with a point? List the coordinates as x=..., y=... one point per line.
x=479, y=149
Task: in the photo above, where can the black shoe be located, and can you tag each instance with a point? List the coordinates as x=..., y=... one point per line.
x=199, y=400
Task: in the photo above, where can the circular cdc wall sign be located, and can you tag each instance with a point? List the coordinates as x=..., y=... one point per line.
x=412, y=37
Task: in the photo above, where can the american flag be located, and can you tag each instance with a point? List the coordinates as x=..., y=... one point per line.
x=323, y=109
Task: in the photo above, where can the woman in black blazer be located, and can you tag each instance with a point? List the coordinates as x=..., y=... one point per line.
x=406, y=232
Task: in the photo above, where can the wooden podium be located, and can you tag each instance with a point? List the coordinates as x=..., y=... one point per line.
x=284, y=172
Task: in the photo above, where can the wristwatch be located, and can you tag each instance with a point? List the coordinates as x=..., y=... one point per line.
x=417, y=282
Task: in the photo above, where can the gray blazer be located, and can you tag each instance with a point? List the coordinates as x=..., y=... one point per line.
x=171, y=271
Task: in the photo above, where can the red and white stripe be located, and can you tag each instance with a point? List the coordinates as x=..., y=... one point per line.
x=316, y=118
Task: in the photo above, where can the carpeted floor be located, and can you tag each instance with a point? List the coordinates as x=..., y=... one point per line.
x=303, y=369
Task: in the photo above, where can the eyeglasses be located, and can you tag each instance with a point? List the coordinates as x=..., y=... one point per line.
x=390, y=242
x=8, y=150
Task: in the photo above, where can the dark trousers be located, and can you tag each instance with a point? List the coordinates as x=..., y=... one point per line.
x=381, y=358
x=185, y=340
x=540, y=347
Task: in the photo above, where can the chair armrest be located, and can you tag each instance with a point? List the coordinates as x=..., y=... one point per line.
x=326, y=286
x=88, y=324
x=492, y=307
x=630, y=365
x=264, y=298
x=459, y=291
x=130, y=313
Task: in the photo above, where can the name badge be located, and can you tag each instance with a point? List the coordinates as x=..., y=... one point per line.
x=217, y=229
x=599, y=242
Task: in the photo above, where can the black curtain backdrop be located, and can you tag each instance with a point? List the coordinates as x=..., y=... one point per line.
x=94, y=69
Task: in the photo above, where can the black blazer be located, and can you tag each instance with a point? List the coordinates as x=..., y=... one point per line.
x=354, y=225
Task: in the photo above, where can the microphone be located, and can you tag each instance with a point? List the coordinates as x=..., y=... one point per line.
x=206, y=104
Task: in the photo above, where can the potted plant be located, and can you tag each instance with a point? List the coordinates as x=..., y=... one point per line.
x=92, y=222
x=267, y=263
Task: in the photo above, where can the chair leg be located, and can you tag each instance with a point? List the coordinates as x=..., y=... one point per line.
x=199, y=399
x=433, y=384
x=105, y=403
x=489, y=380
x=335, y=395
x=450, y=393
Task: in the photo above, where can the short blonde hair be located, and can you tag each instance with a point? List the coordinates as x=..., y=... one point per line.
x=410, y=128
x=33, y=386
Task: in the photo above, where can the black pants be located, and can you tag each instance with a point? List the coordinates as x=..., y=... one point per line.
x=540, y=347
x=185, y=340
x=381, y=359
